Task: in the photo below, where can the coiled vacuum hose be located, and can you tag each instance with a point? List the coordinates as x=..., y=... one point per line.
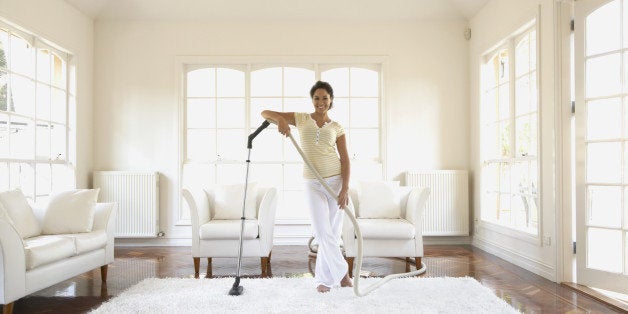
x=349, y=211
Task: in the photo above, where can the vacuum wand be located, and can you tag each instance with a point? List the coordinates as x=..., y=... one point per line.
x=236, y=289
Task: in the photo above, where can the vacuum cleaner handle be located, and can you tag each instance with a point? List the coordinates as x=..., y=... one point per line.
x=264, y=125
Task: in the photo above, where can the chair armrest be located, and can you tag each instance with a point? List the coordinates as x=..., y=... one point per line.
x=12, y=263
x=200, y=211
x=266, y=217
x=105, y=217
x=416, y=207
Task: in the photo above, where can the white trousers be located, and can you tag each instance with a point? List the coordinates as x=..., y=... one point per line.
x=326, y=216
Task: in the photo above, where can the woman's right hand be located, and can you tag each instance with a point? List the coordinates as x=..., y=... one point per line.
x=283, y=126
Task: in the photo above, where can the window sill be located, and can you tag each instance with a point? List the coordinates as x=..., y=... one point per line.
x=513, y=233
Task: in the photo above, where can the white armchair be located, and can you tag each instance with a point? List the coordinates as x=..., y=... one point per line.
x=399, y=235
x=213, y=237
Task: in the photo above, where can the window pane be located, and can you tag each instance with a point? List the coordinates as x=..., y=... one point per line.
x=533, y=50
x=505, y=212
x=59, y=72
x=490, y=179
x=505, y=145
x=364, y=83
x=298, y=81
x=43, y=140
x=201, y=83
x=489, y=206
x=59, y=144
x=23, y=177
x=266, y=82
x=290, y=152
x=602, y=29
x=43, y=66
x=260, y=104
x=364, y=112
x=43, y=177
x=267, y=146
x=603, y=162
x=230, y=83
x=201, y=145
x=43, y=102
x=230, y=113
x=3, y=91
x=299, y=104
x=294, y=205
x=230, y=173
x=603, y=119
x=62, y=178
x=293, y=177
x=489, y=106
x=266, y=175
x=604, y=206
x=201, y=113
x=4, y=46
x=603, y=76
x=22, y=138
x=364, y=144
x=58, y=106
x=490, y=73
x=519, y=213
x=22, y=56
x=504, y=178
x=504, y=101
x=522, y=56
x=526, y=130
x=489, y=141
x=4, y=136
x=339, y=80
x=231, y=145
x=523, y=103
x=23, y=95
x=604, y=251
x=340, y=112
x=4, y=176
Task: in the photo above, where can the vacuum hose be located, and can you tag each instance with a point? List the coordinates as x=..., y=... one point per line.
x=349, y=211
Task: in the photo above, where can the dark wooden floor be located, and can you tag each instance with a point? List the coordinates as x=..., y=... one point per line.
x=522, y=289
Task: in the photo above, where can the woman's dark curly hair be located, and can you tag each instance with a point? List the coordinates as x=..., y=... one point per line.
x=326, y=87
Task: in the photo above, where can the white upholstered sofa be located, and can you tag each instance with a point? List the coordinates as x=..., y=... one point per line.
x=390, y=219
x=39, y=248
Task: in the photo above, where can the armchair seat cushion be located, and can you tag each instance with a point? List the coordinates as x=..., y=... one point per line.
x=228, y=229
x=398, y=229
x=47, y=249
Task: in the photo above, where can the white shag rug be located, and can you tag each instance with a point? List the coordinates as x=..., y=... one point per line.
x=298, y=295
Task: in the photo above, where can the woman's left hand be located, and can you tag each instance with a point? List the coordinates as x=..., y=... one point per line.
x=343, y=198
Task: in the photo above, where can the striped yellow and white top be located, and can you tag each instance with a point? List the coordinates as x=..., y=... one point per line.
x=319, y=145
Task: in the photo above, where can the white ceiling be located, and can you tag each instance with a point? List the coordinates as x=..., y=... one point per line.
x=311, y=10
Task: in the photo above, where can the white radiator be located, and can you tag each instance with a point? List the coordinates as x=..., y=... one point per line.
x=447, y=207
x=137, y=195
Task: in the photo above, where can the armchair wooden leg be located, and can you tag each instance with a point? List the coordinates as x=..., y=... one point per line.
x=269, y=271
x=209, y=268
x=197, y=265
x=350, y=266
x=103, y=273
x=264, y=266
x=418, y=263
x=7, y=308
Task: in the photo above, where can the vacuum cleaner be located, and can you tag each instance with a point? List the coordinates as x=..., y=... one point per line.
x=237, y=289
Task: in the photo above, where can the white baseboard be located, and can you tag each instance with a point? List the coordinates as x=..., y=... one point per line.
x=542, y=269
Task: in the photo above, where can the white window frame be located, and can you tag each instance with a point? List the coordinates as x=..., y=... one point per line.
x=68, y=162
x=510, y=44
x=250, y=63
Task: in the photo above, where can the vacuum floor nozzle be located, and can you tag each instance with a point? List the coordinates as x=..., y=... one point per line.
x=236, y=289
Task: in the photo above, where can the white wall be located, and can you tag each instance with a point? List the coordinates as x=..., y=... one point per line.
x=63, y=25
x=135, y=113
x=493, y=23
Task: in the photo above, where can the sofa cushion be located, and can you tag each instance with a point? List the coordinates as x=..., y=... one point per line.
x=386, y=229
x=378, y=199
x=88, y=241
x=228, y=201
x=47, y=249
x=4, y=214
x=228, y=229
x=21, y=213
x=70, y=212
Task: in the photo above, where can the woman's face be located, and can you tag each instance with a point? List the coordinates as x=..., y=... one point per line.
x=321, y=100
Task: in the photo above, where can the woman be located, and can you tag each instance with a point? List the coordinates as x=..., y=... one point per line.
x=325, y=145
